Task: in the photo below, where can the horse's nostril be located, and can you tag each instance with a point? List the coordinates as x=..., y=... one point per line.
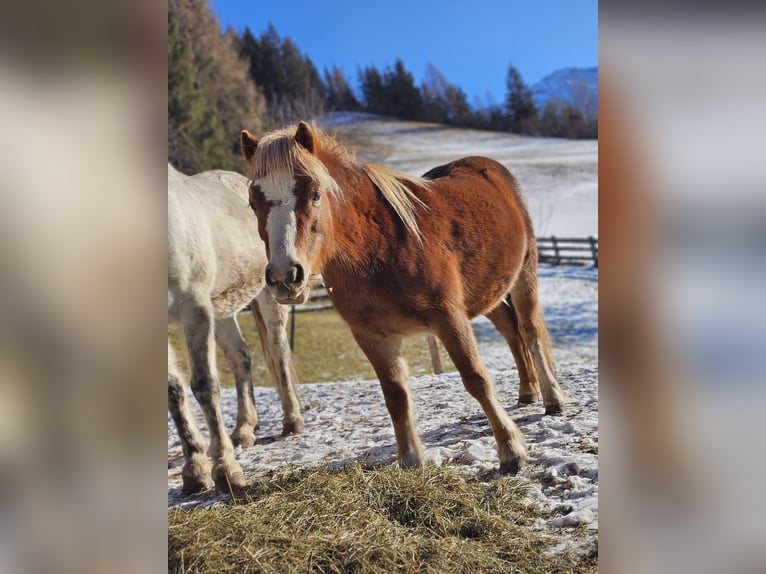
x=286, y=276
x=269, y=280
x=294, y=275
x=298, y=274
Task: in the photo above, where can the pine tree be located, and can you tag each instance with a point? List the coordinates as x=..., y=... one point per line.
x=338, y=94
x=290, y=81
x=230, y=99
x=196, y=139
x=403, y=98
x=519, y=105
x=442, y=101
x=550, y=119
x=371, y=83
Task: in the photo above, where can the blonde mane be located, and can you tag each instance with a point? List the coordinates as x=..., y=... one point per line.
x=392, y=184
x=278, y=155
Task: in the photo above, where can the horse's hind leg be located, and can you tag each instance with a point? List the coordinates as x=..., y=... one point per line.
x=505, y=320
x=535, y=337
x=198, y=329
x=235, y=349
x=271, y=319
x=196, y=470
x=456, y=334
x=384, y=352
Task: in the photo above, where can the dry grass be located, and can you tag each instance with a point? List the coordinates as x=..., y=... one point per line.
x=386, y=520
x=325, y=350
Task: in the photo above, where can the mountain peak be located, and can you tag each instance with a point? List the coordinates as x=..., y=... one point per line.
x=577, y=86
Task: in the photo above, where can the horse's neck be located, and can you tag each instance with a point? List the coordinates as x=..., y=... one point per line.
x=355, y=239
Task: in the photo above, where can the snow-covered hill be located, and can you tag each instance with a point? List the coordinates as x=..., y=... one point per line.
x=559, y=176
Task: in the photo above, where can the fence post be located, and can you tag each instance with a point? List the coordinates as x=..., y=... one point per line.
x=292, y=328
x=593, y=250
x=555, y=249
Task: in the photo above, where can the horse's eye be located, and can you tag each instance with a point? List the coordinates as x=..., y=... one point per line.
x=315, y=197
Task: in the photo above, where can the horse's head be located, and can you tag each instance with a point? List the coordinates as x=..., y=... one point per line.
x=289, y=193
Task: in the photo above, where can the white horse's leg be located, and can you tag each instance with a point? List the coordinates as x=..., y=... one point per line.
x=196, y=470
x=271, y=319
x=235, y=349
x=198, y=328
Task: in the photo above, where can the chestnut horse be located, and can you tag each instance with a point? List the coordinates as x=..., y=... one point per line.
x=403, y=255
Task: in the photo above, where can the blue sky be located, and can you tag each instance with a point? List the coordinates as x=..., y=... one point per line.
x=471, y=42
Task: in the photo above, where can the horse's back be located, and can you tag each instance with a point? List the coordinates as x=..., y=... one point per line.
x=213, y=242
x=217, y=180
x=186, y=232
x=484, y=179
x=478, y=224
x=476, y=233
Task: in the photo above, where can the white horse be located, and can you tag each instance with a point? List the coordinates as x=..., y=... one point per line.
x=216, y=266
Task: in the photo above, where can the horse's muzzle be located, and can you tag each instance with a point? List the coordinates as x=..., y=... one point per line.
x=288, y=282
x=290, y=276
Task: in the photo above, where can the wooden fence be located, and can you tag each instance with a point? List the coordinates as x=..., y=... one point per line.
x=568, y=250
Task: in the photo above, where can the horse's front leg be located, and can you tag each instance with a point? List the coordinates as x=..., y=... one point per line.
x=198, y=328
x=385, y=354
x=271, y=319
x=196, y=470
x=237, y=353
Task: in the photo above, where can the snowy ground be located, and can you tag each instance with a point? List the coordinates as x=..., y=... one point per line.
x=348, y=421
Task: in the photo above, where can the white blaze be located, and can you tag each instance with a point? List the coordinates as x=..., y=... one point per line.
x=281, y=225
x=282, y=228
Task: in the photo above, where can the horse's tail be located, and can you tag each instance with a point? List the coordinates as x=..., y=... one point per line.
x=545, y=340
x=526, y=356
x=529, y=276
x=542, y=327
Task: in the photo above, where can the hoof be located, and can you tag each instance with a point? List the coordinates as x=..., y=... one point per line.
x=527, y=399
x=227, y=479
x=554, y=409
x=243, y=436
x=294, y=427
x=411, y=459
x=196, y=478
x=512, y=455
x=511, y=466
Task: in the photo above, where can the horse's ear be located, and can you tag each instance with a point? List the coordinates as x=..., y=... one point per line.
x=248, y=142
x=305, y=136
